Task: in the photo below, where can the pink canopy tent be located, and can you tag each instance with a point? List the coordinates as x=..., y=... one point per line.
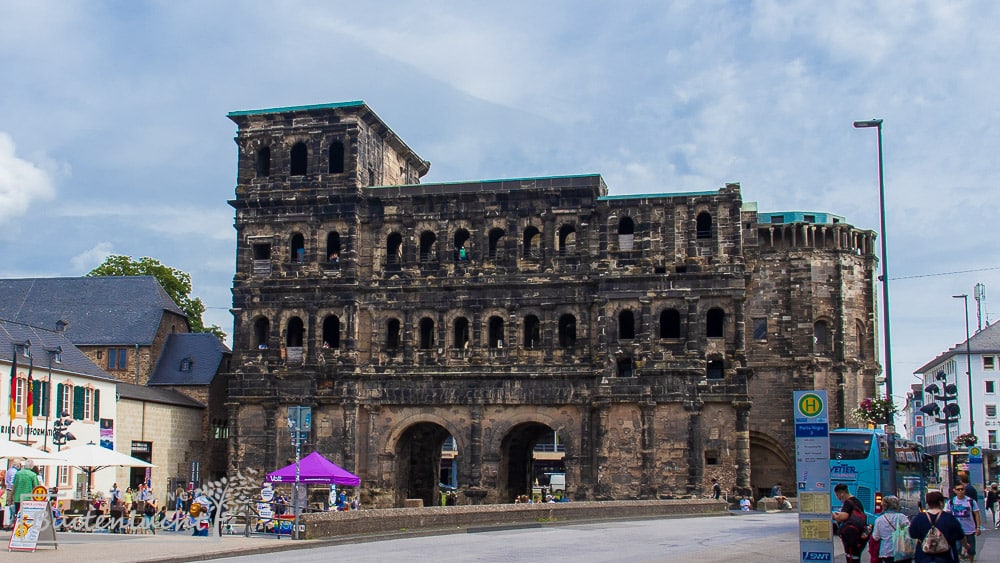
x=315, y=469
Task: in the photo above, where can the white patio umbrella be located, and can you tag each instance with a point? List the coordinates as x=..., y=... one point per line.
x=91, y=457
x=13, y=450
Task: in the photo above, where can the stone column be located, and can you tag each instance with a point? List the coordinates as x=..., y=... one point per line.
x=742, y=438
x=696, y=446
x=602, y=489
x=475, y=493
x=649, y=484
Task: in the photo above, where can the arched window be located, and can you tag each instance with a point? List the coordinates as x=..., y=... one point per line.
x=331, y=332
x=295, y=333
x=299, y=159
x=336, y=157
x=532, y=245
x=261, y=329
x=859, y=328
x=532, y=332
x=496, y=240
x=715, y=323
x=394, y=248
x=704, y=225
x=626, y=325
x=567, y=331
x=298, y=248
x=715, y=369
x=263, y=164
x=426, y=333
x=670, y=323
x=626, y=233
x=461, y=335
x=461, y=245
x=567, y=240
x=496, y=333
x=333, y=247
x=821, y=337
x=392, y=334
x=427, y=250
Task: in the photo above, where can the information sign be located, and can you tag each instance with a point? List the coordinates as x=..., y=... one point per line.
x=33, y=523
x=812, y=470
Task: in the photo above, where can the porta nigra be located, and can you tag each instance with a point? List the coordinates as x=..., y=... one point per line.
x=489, y=334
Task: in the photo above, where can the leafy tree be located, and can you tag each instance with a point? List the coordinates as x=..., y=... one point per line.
x=175, y=282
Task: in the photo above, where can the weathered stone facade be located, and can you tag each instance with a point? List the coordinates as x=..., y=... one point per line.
x=496, y=313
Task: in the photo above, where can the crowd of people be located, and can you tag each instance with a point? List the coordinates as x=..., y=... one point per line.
x=945, y=532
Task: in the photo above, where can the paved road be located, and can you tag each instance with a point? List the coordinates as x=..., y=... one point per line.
x=743, y=537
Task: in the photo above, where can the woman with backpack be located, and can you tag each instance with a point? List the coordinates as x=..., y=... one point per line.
x=885, y=534
x=936, y=530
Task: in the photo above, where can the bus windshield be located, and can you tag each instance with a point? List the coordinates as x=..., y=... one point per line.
x=850, y=446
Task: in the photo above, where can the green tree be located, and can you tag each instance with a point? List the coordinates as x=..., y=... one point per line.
x=175, y=282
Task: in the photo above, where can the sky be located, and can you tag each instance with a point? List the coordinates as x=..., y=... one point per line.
x=114, y=137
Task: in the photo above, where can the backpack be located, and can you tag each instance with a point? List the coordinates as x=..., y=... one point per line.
x=935, y=541
x=903, y=546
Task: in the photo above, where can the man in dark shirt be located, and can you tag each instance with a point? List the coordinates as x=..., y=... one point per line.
x=853, y=523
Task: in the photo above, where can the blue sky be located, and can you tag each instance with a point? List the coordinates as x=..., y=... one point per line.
x=114, y=136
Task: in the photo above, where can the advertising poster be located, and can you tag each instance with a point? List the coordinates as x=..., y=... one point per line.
x=28, y=526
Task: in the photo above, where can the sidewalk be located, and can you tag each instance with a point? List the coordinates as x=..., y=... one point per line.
x=182, y=547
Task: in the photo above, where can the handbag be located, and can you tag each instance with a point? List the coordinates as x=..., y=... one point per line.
x=903, y=546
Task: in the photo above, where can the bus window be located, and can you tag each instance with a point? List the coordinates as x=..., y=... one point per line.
x=850, y=446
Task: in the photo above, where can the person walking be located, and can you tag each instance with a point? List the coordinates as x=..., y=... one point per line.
x=885, y=525
x=966, y=511
x=853, y=523
x=992, y=500
x=716, y=489
x=24, y=482
x=936, y=517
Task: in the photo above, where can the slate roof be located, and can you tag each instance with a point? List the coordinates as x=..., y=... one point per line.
x=204, y=351
x=156, y=395
x=103, y=310
x=72, y=360
x=986, y=341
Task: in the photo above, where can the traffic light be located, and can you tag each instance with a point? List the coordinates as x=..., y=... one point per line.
x=60, y=430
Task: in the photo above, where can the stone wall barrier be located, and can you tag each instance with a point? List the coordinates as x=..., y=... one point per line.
x=331, y=524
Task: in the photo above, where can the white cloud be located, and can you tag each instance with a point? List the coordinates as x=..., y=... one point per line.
x=91, y=258
x=22, y=182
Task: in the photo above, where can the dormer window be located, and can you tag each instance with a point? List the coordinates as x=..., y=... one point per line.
x=186, y=364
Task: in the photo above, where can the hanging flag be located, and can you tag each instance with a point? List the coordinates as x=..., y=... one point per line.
x=31, y=392
x=13, y=383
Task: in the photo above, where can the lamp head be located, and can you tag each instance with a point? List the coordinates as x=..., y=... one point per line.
x=868, y=123
x=951, y=389
x=932, y=389
x=940, y=375
x=931, y=409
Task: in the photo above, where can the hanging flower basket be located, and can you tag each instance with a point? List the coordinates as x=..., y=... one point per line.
x=966, y=440
x=874, y=411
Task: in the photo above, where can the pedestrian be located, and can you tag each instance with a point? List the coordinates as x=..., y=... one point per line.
x=992, y=500
x=885, y=525
x=966, y=511
x=148, y=515
x=716, y=489
x=935, y=516
x=179, y=495
x=24, y=482
x=853, y=523
x=970, y=490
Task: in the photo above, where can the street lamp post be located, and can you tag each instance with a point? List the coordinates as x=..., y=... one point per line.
x=968, y=361
x=891, y=422
x=946, y=393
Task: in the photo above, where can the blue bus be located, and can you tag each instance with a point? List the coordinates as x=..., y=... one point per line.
x=859, y=457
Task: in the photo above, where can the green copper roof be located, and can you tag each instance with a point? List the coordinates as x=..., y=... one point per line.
x=297, y=108
x=654, y=196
